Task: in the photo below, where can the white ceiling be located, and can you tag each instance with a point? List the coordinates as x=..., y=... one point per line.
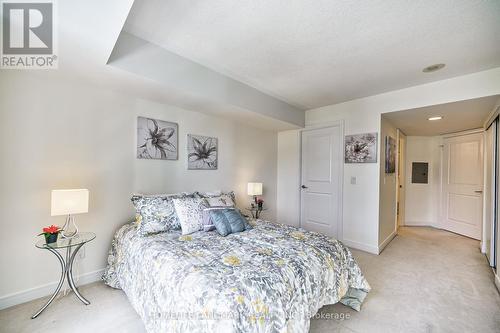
x=86, y=38
x=321, y=52
x=176, y=73
x=457, y=116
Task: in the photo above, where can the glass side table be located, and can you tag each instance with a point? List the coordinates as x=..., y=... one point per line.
x=72, y=245
x=256, y=211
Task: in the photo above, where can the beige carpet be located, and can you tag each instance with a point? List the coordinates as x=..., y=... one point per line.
x=426, y=280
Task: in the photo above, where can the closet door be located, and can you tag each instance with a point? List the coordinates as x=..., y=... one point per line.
x=321, y=189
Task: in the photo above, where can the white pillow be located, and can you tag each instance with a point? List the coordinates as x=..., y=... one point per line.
x=210, y=194
x=189, y=211
x=223, y=200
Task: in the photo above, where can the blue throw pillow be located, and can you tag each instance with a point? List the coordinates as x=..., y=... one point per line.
x=228, y=221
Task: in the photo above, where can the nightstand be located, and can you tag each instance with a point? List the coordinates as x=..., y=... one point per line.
x=72, y=245
x=256, y=211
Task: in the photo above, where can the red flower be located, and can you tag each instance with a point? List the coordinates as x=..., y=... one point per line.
x=53, y=229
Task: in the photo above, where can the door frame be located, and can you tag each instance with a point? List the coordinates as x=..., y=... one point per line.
x=401, y=161
x=493, y=189
x=340, y=187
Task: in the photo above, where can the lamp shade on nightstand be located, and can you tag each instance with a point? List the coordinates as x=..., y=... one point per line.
x=69, y=202
x=254, y=189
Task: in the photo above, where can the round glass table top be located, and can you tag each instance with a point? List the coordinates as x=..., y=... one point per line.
x=79, y=238
x=253, y=209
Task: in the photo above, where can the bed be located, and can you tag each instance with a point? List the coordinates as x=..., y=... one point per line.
x=272, y=278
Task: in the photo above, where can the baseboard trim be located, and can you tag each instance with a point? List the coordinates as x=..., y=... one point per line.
x=45, y=290
x=386, y=241
x=497, y=282
x=482, y=247
x=361, y=246
x=420, y=224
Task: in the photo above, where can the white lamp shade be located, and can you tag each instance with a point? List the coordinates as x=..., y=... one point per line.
x=254, y=188
x=65, y=202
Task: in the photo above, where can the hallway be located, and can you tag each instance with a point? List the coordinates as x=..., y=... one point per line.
x=426, y=280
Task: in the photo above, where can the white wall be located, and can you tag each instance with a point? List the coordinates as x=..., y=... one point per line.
x=423, y=200
x=288, y=177
x=387, y=191
x=64, y=134
x=361, y=201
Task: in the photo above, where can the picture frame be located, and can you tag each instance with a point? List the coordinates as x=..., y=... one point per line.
x=390, y=155
x=202, y=152
x=157, y=139
x=361, y=148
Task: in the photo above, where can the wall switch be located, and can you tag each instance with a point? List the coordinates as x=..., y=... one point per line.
x=353, y=180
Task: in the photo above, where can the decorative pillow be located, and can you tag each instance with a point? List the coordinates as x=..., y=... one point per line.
x=189, y=212
x=208, y=224
x=156, y=213
x=228, y=221
x=222, y=200
x=209, y=194
x=219, y=198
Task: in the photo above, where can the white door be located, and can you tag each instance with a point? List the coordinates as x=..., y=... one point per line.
x=462, y=204
x=321, y=180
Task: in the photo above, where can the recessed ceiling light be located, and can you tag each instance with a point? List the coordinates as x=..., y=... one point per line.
x=433, y=68
x=436, y=118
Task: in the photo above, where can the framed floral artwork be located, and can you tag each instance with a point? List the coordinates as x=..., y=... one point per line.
x=202, y=152
x=361, y=148
x=157, y=139
x=390, y=154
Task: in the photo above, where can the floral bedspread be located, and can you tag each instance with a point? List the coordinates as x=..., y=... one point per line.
x=271, y=278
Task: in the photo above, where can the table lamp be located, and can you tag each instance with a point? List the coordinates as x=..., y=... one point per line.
x=69, y=202
x=254, y=189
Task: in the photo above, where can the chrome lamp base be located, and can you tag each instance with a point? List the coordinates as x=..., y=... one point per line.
x=66, y=233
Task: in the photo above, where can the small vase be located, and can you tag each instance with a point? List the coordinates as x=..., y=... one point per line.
x=51, y=238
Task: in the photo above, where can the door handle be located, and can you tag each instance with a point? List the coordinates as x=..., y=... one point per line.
x=304, y=187
x=479, y=191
